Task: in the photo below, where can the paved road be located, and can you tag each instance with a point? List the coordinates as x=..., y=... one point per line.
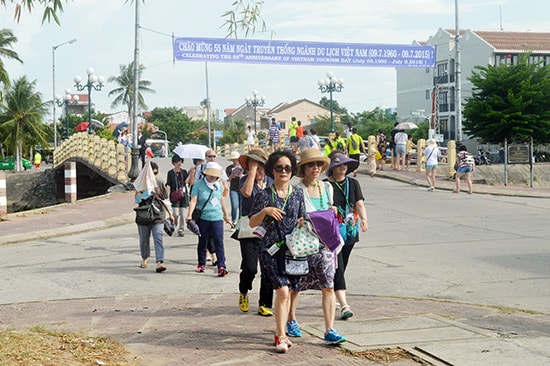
x=427, y=258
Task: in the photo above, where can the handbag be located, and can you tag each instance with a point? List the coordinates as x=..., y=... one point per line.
x=303, y=241
x=145, y=214
x=178, y=193
x=245, y=231
x=196, y=215
x=296, y=266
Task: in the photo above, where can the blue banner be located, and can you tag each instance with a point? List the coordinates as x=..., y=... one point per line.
x=302, y=53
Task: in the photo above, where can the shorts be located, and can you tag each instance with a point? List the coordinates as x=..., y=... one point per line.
x=355, y=156
x=293, y=138
x=464, y=169
x=428, y=167
x=400, y=149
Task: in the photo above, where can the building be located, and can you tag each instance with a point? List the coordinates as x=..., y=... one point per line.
x=303, y=109
x=431, y=93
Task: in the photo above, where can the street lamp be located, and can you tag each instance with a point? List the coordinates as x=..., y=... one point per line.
x=330, y=85
x=53, y=91
x=255, y=101
x=94, y=82
x=155, y=129
x=65, y=101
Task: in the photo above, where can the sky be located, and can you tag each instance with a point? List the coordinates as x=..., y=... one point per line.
x=104, y=30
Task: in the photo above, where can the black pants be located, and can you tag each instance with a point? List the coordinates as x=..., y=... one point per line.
x=250, y=251
x=343, y=259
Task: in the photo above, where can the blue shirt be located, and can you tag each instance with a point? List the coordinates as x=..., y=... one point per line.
x=213, y=209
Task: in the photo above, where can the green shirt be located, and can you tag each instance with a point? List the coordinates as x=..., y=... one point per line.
x=292, y=128
x=354, y=150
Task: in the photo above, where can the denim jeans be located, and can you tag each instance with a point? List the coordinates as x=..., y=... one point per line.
x=211, y=230
x=145, y=232
x=235, y=197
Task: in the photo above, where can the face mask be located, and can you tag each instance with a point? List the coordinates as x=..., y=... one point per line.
x=214, y=185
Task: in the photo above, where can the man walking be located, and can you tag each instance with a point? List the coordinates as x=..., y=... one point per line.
x=273, y=135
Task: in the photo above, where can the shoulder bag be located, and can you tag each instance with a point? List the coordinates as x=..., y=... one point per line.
x=303, y=241
x=178, y=193
x=196, y=215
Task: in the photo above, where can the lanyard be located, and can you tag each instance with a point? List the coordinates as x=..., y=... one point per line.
x=286, y=198
x=345, y=192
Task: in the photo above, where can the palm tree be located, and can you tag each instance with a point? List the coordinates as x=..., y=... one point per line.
x=21, y=119
x=7, y=38
x=124, y=94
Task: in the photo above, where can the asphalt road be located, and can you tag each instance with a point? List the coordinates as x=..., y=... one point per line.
x=478, y=249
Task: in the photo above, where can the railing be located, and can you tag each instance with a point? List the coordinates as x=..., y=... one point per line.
x=99, y=153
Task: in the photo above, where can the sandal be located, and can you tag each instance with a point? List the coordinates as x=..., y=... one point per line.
x=346, y=312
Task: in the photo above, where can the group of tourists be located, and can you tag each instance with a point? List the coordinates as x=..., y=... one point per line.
x=269, y=209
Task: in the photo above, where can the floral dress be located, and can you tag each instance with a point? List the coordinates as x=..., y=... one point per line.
x=294, y=208
x=321, y=265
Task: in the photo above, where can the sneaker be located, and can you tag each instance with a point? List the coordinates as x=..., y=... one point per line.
x=243, y=303
x=264, y=311
x=222, y=272
x=200, y=269
x=346, y=312
x=181, y=233
x=332, y=337
x=293, y=329
x=282, y=343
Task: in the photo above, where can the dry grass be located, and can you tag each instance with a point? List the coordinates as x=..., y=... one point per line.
x=388, y=355
x=38, y=346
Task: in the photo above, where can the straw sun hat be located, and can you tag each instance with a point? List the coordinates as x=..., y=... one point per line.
x=310, y=155
x=254, y=154
x=213, y=169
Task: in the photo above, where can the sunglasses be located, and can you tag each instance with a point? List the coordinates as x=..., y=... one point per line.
x=281, y=168
x=155, y=172
x=210, y=156
x=318, y=164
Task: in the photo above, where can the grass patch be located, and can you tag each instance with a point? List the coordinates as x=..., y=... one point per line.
x=388, y=355
x=38, y=346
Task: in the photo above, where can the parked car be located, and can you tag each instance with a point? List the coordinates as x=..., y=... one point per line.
x=9, y=164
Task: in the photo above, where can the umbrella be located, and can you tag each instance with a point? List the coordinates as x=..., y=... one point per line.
x=83, y=126
x=193, y=227
x=406, y=126
x=119, y=128
x=190, y=151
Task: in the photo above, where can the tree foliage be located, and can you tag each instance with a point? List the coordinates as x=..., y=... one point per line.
x=124, y=92
x=7, y=39
x=21, y=114
x=509, y=102
x=177, y=125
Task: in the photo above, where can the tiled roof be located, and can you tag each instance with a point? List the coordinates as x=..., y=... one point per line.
x=514, y=41
x=517, y=41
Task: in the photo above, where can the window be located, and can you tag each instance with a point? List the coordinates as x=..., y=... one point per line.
x=428, y=94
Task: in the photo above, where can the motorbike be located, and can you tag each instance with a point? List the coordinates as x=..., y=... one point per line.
x=482, y=157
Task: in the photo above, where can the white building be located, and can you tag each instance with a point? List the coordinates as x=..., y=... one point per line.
x=430, y=94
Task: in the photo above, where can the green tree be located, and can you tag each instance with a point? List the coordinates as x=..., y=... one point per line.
x=22, y=111
x=509, y=102
x=52, y=8
x=7, y=39
x=124, y=93
x=177, y=125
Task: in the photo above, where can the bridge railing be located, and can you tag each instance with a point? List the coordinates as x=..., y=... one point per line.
x=108, y=156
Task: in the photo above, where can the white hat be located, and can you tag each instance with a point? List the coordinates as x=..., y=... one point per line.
x=432, y=142
x=212, y=168
x=234, y=155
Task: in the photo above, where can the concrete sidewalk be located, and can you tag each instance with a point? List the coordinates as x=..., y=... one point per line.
x=184, y=327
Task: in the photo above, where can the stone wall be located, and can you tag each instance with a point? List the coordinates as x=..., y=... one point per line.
x=30, y=190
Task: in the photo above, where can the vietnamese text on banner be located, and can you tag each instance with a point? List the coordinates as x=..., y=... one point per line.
x=302, y=53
